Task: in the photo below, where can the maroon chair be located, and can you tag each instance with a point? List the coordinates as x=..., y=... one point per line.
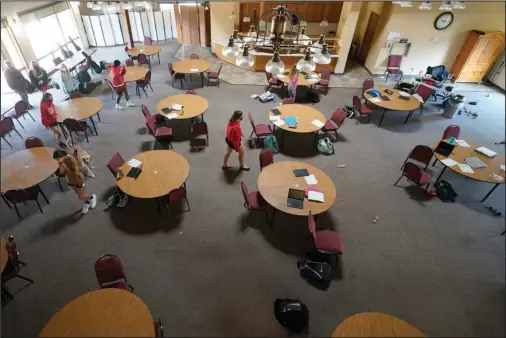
x=176, y=76
x=325, y=241
x=142, y=59
x=366, y=85
x=194, y=56
x=109, y=84
x=148, y=41
x=191, y=92
x=260, y=130
x=110, y=273
x=159, y=133
x=75, y=95
x=73, y=125
x=158, y=328
x=253, y=201
x=324, y=79
x=20, y=109
x=24, y=195
x=178, y=194
x=450, y=131
x=131, y=57
x=288, y=100
x=421, y=154
x=362, y=109
x=414, y=174
x=115, y=163
x=274, y=81
x=214, y=75
x=129, y=63
x=334, y=123
x=197, y=129
x=424, y=92
x=394, y=66
x=33, y=142
x=145, y=111
x=6, y=126
x=266, y=157
x=13, y=267
x=142, y=84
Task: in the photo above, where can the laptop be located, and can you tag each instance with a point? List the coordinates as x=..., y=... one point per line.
x=300, y=172
x=275, y=112
x=444, y=148
x=475, y=162
x=295, y=198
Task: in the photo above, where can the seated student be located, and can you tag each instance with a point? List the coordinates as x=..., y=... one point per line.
x=86, y=86
x=38, y=77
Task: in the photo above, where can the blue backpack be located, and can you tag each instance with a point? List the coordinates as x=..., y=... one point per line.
x=271, y=143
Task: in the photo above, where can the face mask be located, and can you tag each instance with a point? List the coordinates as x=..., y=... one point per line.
x=50, y=100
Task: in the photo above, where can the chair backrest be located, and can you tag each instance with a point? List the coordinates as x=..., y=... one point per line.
x=151, y=124
x=147, y=78
x=33, y=142
x=266, y=157
x=109, y=84
x=252, y=121
x=219, y=68
x=148, y=41
x=177, y=194
x=451, y=131
x=422, y=153
x=126, y=49
x=191, y=91
x=12, y=252
x=145, y=111
x=356, y=103
x=269, y=76
x=424, y=92
x=75, y=95
x=129, y=62
x=108, y=269
x=171, y=70
x=199, y=128
x=142, y=59
x=311, y=224
x=338, y=116
x=368, y=84
x=394, y=61
x=325, y=73
x=72, y=124
x=194, y=56
x=18, y=195
x=288, y=100
x=6, y=125
x=158, y=328
x=245, y=192
x=57, y=61
x=412, y=172
x=20, y=108
x=115, y=163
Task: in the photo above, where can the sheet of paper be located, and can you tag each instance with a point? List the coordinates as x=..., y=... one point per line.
x=176, y=106
x=466, y=168
x=496, y=177
x=194, y=69
x=172, y=116
x=375, y=99
x=274, y=118
x=393, y=35
x=279, y=123
x=462, y=143
x=315, y=196
x=503, y=167
x=401, y=93
x=254, y=96
x=318, y=123
x=311, y=180
x=485, y=151
x=134, y=163
x=449, y=162
x=418, y=97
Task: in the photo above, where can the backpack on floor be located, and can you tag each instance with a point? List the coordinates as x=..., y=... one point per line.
x=291, y=314
x=271, y=143
x=350, y=111
x=315, y=267
x=444, y=191
x=313, y=97
x=325, y=147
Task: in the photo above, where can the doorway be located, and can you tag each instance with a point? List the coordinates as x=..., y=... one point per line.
x=368, y=36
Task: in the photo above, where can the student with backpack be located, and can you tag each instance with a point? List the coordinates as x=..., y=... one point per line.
x=118, y=81
x=233, y=140
x=294, y=81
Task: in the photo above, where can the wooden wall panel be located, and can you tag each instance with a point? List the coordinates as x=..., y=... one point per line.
x=177, y=15
x=185, y=25
x=205, y=27
x=194, y=25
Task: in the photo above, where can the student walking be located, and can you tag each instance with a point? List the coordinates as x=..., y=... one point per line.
x=118, y=81
x=17, y=82
x=233, y=140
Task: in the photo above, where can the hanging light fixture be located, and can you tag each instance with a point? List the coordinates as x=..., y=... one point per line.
x=303, y=38
x=406, y=4
x=246, y=18
x=232, y=49
x=323, y=58
x=306, y=64
x=236, y=36
x=458, y=5
x=96, y=6
x=275, y=66
x=252, y=34
x=232, y=16
x=303, y=23
x=318, y=45
x=245, y=59
x=128, y=6
x=325, y=23
x=446, y=6
x=426, y=5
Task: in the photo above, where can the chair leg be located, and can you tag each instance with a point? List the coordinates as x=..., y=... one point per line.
x=40, y=208
x=406, y=160
x=86, y=133
x=17, y=211
x=188, y=203
x=337, y=136
x=20, y=123
x=59, y=182
x=98, y=115
x=10, y=145
x=181, y=81
x=144, y=91
x=25, y=278
x=6, y=202
x=434, y=163
x=31, y=116
x=7, y=293
x=17, y=132
x=395, y=184
x=42, y=193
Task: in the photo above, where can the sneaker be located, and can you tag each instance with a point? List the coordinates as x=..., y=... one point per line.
x=245, y=167
x=123, y=200
x=86, y=207
x=119, y=107
x=93, y=201
x=130, y=104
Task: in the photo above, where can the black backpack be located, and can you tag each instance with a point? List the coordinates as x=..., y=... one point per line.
x=315, y=266
x=291, y=314
x=444, y=191
x=350, y=111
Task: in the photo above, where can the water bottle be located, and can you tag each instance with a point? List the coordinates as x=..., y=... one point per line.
x=452, y=139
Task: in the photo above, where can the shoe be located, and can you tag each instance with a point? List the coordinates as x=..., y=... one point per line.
x=119, y=107
x=123, y=200
x=225, y=167
x=130, y=104
x=245, y=167
x=93, y=201
x=86, y=207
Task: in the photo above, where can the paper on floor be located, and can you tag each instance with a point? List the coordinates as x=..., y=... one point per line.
x=449, y=162
x=315, y=196
x=318, y=123
x=171, y=116
x=279, y=123
x=134, y=163
x=274, y=118
x=311, y=179
x=462, y=143
x=466, y=168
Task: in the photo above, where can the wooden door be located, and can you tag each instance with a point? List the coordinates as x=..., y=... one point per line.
x=490, y=53
x=193, y=25
x=368, y=36
x=478, y=50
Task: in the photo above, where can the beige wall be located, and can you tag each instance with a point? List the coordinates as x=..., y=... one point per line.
x=346, y=30
x=221, y=25
x=431, y=47
x=365, y=11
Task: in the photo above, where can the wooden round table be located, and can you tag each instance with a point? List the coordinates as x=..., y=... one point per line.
x=102, y=313
x=27, y=168
x=395, y=102
x=79, y=108
x=194, y=105
x=133, y=73
x=3, y=251
x=375, y=324
x=192, y=66
x=275, y=180
x=285, y=78
x=146, y=50
x=459, y=154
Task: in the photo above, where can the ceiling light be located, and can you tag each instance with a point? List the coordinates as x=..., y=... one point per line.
x=446, y=6
x=406, y=4
x=318, y=45
x=324, y=23
x=459, y=5
x=232, y=49
x=232, y=16
x=427, y=5
x=303, y=38
x=323, y=58
x=245, y=59
x=306, y=64
x=275, y=66
x=303, y=23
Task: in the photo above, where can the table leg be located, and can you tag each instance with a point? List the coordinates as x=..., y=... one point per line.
x=6, y=202
x=159, y=204
x=441, y=174
x=382, y=116
x=282, y=137
x=202, y=79
x=409, y=115
x=273, y=214
x=491, y=191
x=94, y=126
x=158, y=58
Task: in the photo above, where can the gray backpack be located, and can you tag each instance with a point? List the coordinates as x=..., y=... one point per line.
x=325, y=147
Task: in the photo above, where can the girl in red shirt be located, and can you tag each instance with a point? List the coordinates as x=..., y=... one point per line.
x=48, y=117
x=118, y=82
x=233, y=140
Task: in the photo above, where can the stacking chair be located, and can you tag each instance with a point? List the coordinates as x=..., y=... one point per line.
x=109, y=84
x=176, y=76
x=142, y=59
x=13, y=267
x=129, y=62
x=75, y=95
x=191, y=92
x=266, y=158
x=274, y=81
x=115, y=163
x=110, y=273
x=394, y=66
x=414, y=174
x=288, y=100
x=73, y=125
x=450, y=131
x=197, y=129
x=158, y=328
x=253, y=201
x=260, y=130
x=334, y=123
x=362, y=109
x=324, y=79
x=214, y=75
x=366, y=85
x=325, y=241
x=424, y=92
x=33, y=142
x=194, y=56
x=20, y=109
x=148, y=41
x=178, y=195
x=160, y=133
x=142, y=84
x=420, y=153
x=24, y=195
x=6, y=126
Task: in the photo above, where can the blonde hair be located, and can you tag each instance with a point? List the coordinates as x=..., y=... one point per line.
x=294, y=71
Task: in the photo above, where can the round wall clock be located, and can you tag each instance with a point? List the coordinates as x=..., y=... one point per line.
x=443, y=21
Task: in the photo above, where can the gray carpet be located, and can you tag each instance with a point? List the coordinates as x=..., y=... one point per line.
x=438, y=266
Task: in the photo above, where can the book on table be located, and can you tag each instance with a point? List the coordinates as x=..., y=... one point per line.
x=291, y=121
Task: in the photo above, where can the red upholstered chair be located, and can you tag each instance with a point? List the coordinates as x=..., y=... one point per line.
x=451, y=131
x=260, y=130
x=253, y=201
x=13, y=267
x=325, y=241
x=178, y=194
x=131, y=57
x=110, y=273
x=159, y=133
x=288, y=100
x=214, y=76
x=115, y=163
x=113, y=91
x=33, y=142
x=148, y=41
x=142, y=84
x=367, y=84
x=191, y=92
x=145, y=111
x=273, y=81
x=194, y=56
x=75, y=95
x=129, y=63
x=25, y=195
x=197, y=129
x=175, y=76
x=414, y=174
x=424, y=92
x=142, y=59
x=421, y=154
x=20, y=109
x=73, y=125
x=6, y=126
x=158, y=328
x=362, y=109
x=394, y=66
x=334, y=123
x=266, y=157
x=324, y=79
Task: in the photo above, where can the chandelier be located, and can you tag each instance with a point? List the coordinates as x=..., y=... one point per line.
x=278, y=29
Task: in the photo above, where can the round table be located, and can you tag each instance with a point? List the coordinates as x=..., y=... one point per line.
x=285, y=78
x=27, y=168
x=192, y=66
x=395, y=102
x=194, y=105
x=5, y=254
x=133, y=73
x=102, y=313
x=79, y=108
x=375, y=324
x=459, y=154
x=275, y=180
x=162, y=172
x=146, y=50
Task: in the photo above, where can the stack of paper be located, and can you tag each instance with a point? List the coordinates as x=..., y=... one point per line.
x=134, y=163
x=194, y=69
x=401, y=93
x=318, y=123
x=279, y=123
x=466, y=168
x=176, y=106
x=315, y=196
x=416, y=96
x=503, y=167
x=274, y=118
x=171, y=116
x=449, y=162
x=496, y=177
x=462, y=143
x=311, y=179
x=375, y=99
x=485, y=151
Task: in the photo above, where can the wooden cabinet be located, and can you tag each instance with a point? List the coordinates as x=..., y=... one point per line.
x=477, y=56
